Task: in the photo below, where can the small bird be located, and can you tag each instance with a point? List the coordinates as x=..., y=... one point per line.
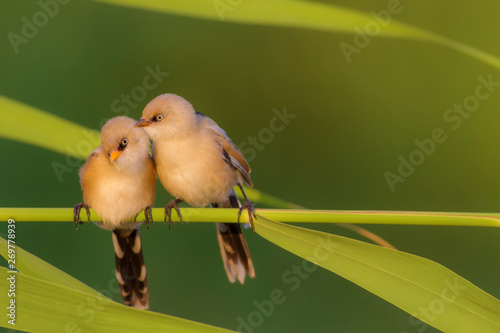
x=118, y=181
x=198, y=164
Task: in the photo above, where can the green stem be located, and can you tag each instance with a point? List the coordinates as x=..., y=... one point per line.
x=229, y=215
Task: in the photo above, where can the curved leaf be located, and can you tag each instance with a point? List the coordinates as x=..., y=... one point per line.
x=49, y=300
x=421, y=287
x=30, y=264
x=38, y=128
x=299, y=14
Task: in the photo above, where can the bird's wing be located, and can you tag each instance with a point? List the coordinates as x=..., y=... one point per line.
x=234, y=157
x=89, y=170
x=231, y=154
x=96, y=153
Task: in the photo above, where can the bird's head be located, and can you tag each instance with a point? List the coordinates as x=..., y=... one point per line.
x=125, y=144
x=167, y=115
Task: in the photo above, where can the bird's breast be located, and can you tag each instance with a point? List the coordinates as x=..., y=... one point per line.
x=118, y=198
x=194, y=170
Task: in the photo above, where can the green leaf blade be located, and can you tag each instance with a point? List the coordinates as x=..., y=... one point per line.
x=410, y=282
x=42, y=306
x=30, y=264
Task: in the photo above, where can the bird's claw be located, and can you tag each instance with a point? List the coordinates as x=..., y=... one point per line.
x=76, y=213
x=168, y=212
x=148, y=216
x=251, y=212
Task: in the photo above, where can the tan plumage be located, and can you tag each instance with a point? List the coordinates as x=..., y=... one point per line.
x=118, y=182
x=197, y=163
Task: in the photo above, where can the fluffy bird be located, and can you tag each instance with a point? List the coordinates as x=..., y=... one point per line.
x=118, y=182
x=198, y=164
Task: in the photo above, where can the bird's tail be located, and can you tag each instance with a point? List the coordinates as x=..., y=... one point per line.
x=130, y=268
x=233, y=246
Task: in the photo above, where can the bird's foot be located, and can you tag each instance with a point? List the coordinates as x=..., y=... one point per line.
x=76, y=213
x=168, y=211
x=148, y=216
x=251, y=212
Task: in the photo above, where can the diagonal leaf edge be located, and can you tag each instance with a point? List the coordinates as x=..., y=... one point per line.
x=37, y=129
x=301, y=14
x=405, y=280
x=30, y=264
x=43, y=306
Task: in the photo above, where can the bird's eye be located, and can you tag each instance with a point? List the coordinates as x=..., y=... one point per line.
x=159, y=117
x=109, y=154
x=124, y=142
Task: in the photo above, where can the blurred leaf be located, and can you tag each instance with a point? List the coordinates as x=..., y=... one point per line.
x=289, y=13
x=27, y=124
x=257, y=196
x=299, y=14
x=44, y=306
x=421, y=287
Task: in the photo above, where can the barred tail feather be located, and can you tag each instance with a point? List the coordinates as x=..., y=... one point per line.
x=130, y=268
x=233, y=246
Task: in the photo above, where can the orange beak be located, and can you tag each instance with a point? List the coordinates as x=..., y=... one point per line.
x=114, y=155
x=142, y=123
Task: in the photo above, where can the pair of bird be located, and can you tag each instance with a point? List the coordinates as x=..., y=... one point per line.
x=195, y=161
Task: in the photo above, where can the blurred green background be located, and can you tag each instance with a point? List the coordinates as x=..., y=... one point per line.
x=352, y=122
